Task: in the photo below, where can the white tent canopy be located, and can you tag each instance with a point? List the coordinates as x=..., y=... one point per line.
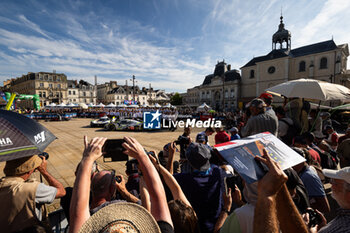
x=83, y=106
x=62, y=105
x=203, y=107
x=51, y=105
x=133, y=106
x=157, y=105
x=122, y=105
x=100, y=105
x=168, y=105
x=111, y=105
x=91, y=105
x=71, y=105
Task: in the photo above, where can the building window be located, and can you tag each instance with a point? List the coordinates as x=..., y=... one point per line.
x=46, y=76
x=58, y=85
x=271, y=70
x=302, y=66
x=40, y=94
x=50, y=85
x=73, y=92
x=69, y=92
x=41, y=84
x=323, y=63
x=226, y=94
x=58, y=79
x=232, y=92
x=50, y=78
x=84, y=93
x=44, y=94
x=41, y=77
x=74, y=100
x=251, y=74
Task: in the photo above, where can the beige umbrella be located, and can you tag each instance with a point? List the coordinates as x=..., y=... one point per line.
x=311, y=89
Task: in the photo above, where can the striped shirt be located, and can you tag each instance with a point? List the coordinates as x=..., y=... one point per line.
x=338, y=225
x=260, y=123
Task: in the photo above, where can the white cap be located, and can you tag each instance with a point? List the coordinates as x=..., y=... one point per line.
x=342, y=174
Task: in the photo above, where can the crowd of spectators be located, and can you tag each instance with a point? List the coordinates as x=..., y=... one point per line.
x=200, y=192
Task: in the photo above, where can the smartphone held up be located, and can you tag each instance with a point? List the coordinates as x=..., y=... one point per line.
x=113, y=151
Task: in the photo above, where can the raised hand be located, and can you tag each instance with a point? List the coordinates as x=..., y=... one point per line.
x=93, y=149
x=133, y=148
x=272, y=182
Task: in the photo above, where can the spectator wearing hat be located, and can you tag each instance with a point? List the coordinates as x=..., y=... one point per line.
x=259, y=121
x=340, y=180
x=22, y=199
x=268, y=99
x=234, y=134
x=203, y=187
x=221, y=136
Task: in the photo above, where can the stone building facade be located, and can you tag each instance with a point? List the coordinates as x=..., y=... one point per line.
x=113, y=93
x=219, y=90
x=322, y=61
x=81, y=92
x=50, y=87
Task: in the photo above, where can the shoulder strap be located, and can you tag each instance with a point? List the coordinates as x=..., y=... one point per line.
x=286, y=122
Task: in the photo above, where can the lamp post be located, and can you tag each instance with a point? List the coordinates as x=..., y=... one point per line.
x=133, y=87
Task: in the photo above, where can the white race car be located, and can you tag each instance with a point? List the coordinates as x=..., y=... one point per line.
x=101, y=122
x=125, y=124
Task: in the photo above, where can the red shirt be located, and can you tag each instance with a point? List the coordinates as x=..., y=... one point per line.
x=314, y=155
x=221, y=137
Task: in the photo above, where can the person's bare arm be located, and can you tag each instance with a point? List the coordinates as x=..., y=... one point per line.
x=124, y=192
x=170, y=164
x=265, y=214
x=159, y=205
x=145, y=199
x=288, y=215
x=171, y=182
x=79, y=206
x=224, y=212
x=61, y=192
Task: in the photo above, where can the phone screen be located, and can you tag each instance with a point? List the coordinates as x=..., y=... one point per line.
x=113, y=150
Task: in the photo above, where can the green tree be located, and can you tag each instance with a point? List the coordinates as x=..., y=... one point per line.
x=176, y=99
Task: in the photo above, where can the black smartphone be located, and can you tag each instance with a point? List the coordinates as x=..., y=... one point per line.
x=113, y=151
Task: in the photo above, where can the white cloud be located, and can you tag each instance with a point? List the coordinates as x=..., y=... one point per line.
x=32, y=26
x=332, y=20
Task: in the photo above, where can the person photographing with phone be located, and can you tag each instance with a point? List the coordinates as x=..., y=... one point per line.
x=121, y=215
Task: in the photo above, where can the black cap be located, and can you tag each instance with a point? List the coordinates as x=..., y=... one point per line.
x=198, y=155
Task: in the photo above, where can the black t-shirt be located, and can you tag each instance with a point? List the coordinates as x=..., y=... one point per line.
x=165, y=227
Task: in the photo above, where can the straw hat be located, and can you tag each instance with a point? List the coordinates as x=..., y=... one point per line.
x=121, y=217
x=22, y=165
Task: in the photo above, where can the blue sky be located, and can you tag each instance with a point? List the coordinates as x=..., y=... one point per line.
x=171, y=44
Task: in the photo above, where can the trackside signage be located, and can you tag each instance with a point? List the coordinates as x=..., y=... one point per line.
x=154, y=120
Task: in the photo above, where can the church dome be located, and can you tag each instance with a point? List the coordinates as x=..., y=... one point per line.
x=282, y=35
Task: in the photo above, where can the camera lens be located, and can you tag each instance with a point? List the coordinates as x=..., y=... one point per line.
x=45, y=154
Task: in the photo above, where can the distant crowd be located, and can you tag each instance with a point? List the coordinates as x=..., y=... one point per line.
x=200, y=192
